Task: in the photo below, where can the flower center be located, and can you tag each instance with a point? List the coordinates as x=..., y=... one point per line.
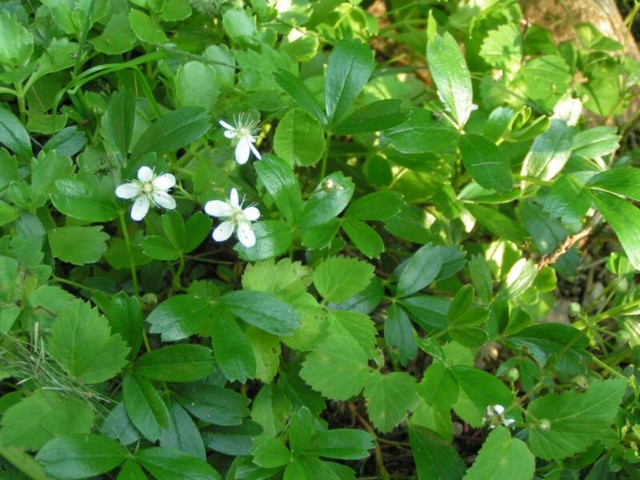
x=147, y=188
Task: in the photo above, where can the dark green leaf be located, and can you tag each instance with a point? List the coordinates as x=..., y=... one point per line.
x=263, y=311
x=281, y=183
x=13, y=135
x=231, y=347
x=299, y=139
x=516, y=460
x=198, y=226
x=169, y=464
x=439, y=388
x=122, y=114
x=145, y=407
x=234, y=440
x=78, y=245
x=398, y=333
x=568, y=200
x=619, y=181
x=83, y=201
x=421, y=133
x=331, y=196
x=179, y=317
x=421, y=269
x=365, y=238
x=301, y=94
x=486, y=163
x=373, y=117
x=125, y=318
x=215, y=405
x=269, y=452
x=182, y=433
x=435, y=459
x=375, y=206
x=175, y=363
x=498, y=223
x=159, y=248
x=342, y=443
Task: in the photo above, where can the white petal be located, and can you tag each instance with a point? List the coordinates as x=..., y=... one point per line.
x=226, y=125
x=128, y=190
x=223, y=231
x=499, y=409
x=246, y=235
x=242, y=151
x=164, y=181
x=233, y=198
x=218, y=208
x=255, y=151
x=145, y=174
x=251, y=213
x=164, y=200
x=140, y=208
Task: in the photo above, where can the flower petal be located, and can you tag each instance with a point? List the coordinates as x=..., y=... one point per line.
x=164, y=200
x=251, y=213
x=226, y=125
x=233, y=198
x=255, y=151
x=218, y=208
x=246, y=235
x=128, y=190
x=242, y=151
x=164, y=181
x=140, y=208
x=223, y=231
x=145, y=174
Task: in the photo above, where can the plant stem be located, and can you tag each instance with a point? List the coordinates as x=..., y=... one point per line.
x=325, y=156
x=132, y=265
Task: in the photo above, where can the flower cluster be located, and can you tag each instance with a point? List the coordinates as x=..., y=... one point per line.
x=494, y=416
x=151, y=189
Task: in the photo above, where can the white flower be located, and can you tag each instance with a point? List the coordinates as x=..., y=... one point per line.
x=244, y=135
x=494, y=416
x=149, y=189
x=236, y=218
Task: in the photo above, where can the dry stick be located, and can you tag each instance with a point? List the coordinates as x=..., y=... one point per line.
x=569, y=242
x=382, y=471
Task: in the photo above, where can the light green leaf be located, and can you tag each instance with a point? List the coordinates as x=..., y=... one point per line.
x=197, y=85
x=182, y=433
x=80, y=456
x=624, y=218
x=16, y=42
x=435, y=459
x=596, y=142
x=301, y=94
x=179, y=317
x=299, y=139
x=84, y=201
x=478, y=389
x=263, y=311
x=619, y=181
x=212, y=404
x=159, y=248
x=365, y=238
x=13, y=135
x=339, y=278
x=266, y=350
x=520, y=278
x=337, y=368
x=131, y=470
x=269, y=452
x=175, y=363
x=502, y=48
x=231, y=347
x=7, y=213
x=516, y=462
x=286, y=276
x=169, y=464
x=81, y=342
x=498, y=223
x=439, y=387
x=452, y=78
x=145, y=408
x=421, y=269
x=550, y=151
x=421, y=133
x=273, y=238
x=330, y=197
x=486, y=163
x=44, y=415
x=546, y=80
x=389, y=398
x=173, y=131
x=567, y=423
x=116, y=37
x=568, y=200
x=342, y=443
x=349, y=67
x=78, y=245
x=145, y=28
x=360, y=326
x=282, y=184
x=375, y=206
x=239, y=25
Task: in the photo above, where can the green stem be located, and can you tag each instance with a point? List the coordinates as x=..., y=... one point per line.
x=132, y=265
x=608, y=368
x=22, y=108
x=325, y=156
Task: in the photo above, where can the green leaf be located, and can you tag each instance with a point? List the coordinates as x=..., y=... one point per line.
x=439, y=387
x=516, y=462
x=498, y=223
x=546, y=78
x=173, y=131
x=502, y=48
x=373, y=117
x=399, y=334
x=299, y=139
x=365, y=238
x=349, y=67
x=389, y=398
x=375, y=206
x=145, y=407
x=273, y=238
x=486, y=163
x=568, y=200
x=7, y=213
x=266, y=350
x=13, y=135
x=301, y=94
x=231, y=348
x=81, y=342
x=358, y=325
x=478, y=389
x=596, y=142
x=197, y=85
x=421, y=270
x=567, y=423
x=235, y=440
x=170, y=464
x=481, y=278
x=269, y=452
x=281, y=183
x=121, y=115
x=452, y=78
x=182, y=433
x=215, y=405
x=435, y=459
x=550, y=151
x=342, y=443
x=624, y=218
x=83, y=201
x=131, y=470
x=159, y=248
x=262, y=311
x=175, y=363
x=239, y=25
x=116, y=37
x=78, y=245
x=198, y=226
x=16, y=42
x=145, y=28
x=330, y=197
x=619, y=181
x=80, y=456
x=179, y=317
x=520, y=278
x=339, y=278
x=125, y=317
x=421, y=133
x=44, y=415
x=337, y=367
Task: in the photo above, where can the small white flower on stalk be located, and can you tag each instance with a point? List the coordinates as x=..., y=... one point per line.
x=149, y=189
x=244, y=136
x=494, y=416
x=236, y=219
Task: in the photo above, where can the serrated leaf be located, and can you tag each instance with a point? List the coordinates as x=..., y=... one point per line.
x=168, y=464
x=365, y=238
x=342, y=443
x=179, y=317
x=421, y=269
x=502, y=48
x=337, y=367
x=438, y=387
x=299, y=139
x=516, y=460
x=78, y=199
x=349, y=67
x=273, y=238
x=452, y=78
x=145, y=407
x=281, y=183
x=389, y=398
x=262, y=311
x=80, y=456
x=81, y=342
x=44, y=415
x=486, y=163
x=78, y=245
x=435, y=459
x=574, y=420
x=175, y=363
x=339, y=278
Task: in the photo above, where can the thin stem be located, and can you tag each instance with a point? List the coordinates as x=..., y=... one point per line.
x=132, y=265
x=22, y=108
x=325, y=156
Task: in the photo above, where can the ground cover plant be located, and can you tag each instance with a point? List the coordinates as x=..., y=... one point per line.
x=315, y=240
